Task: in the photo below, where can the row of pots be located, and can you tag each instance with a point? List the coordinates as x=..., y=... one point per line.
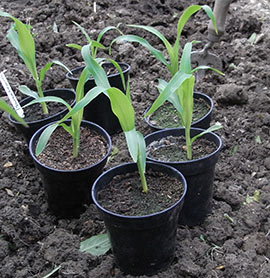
x=141, y=244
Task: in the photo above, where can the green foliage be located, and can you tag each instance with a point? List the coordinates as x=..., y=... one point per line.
x=172, y=50
x=96, y=245
x=5, y=107
x=179, y=91
x=94, y=45
x=22, y=40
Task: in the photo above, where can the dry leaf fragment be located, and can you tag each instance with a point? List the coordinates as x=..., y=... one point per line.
x=8, y=164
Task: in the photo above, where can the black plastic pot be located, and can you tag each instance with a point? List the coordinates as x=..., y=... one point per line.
x=203, y=122
x=199, y=174
x=69, y=192
x=33, y=126
x=142, y=245
x=99, y=110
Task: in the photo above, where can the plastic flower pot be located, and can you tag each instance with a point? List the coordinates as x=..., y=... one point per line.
x=141, y=245
x=34, y=125
x=99, y=110
x=199, y=174
x=202, y=122
x=68, y=192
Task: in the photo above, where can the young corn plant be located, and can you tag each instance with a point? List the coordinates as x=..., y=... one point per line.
x=179, y=90
x=123, y=109
x=75, y=113
x=95, y=45
x=22, y=40
x=173, y=51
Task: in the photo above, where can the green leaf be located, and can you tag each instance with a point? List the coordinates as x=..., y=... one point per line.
x=95, y=69
x=252, y=38
x=132, y=143
x=185, y=63
x=105, y=30
x=28, y=92
x=122, y=108
x=117, y=66
x=173, y=99
x=210, y=129
x=5, y=107
x=83, y=31
x=96, y=245
x=91, y=94
x=74, y=45
x=171, y=87
x=48, y=66
x=49, y=99
x=202, y=67
x=132, y=38
x=44, y=138
x=157, y=34
x=26, y=44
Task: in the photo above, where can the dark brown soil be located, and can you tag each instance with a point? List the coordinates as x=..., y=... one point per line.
x=58, y=152
x=233, y=242
x=125, y=196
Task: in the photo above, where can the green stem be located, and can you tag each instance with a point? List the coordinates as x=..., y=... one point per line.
x=143, y=179
x=76, y=144
x=188, y=143
x=40, y=93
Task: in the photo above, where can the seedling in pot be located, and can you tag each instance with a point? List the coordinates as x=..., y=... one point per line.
x=179, y=90
x=95, y=45
x=21, y=38
x=123, y=109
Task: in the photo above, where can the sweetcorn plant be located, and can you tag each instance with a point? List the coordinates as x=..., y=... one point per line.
x=179, y=90
x=22, y=40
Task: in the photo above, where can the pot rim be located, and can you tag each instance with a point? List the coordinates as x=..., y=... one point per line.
x=49, y=117
x=217, y=137
x=207, y=98
x=100, y=130
x=181, y=199
x=69, y=76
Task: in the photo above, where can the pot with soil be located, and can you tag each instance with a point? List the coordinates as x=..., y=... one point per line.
x=141, y=226
x=99, y=110
x=67, y=179
x=169, y=147
x=35, y=118
x=166, y=116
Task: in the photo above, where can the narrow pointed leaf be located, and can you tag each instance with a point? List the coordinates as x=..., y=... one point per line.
x=44, y=138
x=202, y=67
x=5, y=107
x=95, y=69
x=83, y=31
x=48, y=99
x=28, y=92
x=133, y=38
x=105, y=30
x=171, y=87
x=122, y=108
x=74, y=45
x=185, y=62
x=117, y=66
x=210, y=129
x=132, y=143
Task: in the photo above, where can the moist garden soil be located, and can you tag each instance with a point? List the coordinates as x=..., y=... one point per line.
x=233, y=242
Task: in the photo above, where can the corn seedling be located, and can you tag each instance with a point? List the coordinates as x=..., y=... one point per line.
x=22, y=40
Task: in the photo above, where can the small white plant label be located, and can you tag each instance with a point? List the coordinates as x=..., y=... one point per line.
x=11, y=95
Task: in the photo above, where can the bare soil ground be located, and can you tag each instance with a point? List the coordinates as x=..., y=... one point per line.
x=234, y=240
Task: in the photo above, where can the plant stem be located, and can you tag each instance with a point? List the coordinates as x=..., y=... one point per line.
x=76, y=144
x=143, y=179
x=40, y=93
x=188, y=143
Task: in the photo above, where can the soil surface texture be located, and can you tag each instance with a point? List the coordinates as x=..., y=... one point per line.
x=233, y=242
